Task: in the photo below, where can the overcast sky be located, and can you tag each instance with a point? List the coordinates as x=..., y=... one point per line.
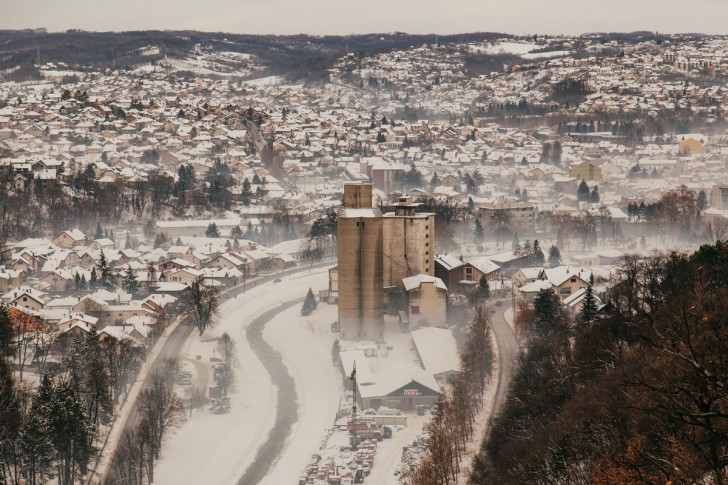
x=349, y=16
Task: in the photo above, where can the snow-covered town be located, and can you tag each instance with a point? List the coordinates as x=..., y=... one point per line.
x=304, y=271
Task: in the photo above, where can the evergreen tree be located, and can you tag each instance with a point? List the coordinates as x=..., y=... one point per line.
x=77, y=281
x=335, y=350
x=702, y=201
x=106, y=277
x=94, y=279
x=554, y=257
x=309, y=304
x=481, y=292
x=479, y=232
x=588, y=313
x=538, y=257
x=594, y=196
x=556, y=153
x=471, y=205
x=99, y=234
x=83, y=285
x=65, y=427
x=236, y=233
x=130, y=282
x=212, y=230
x=246, y=191
x=256, y=179
x=7, y=334
x=583, y=193
x=434, y=182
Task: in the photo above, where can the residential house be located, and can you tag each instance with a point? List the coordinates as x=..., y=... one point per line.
x=70, y=239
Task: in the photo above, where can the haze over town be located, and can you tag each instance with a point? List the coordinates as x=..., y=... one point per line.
x=423, y=243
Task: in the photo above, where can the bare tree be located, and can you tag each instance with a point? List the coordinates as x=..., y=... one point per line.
x=162, y=410
x=228, y=354
x=201, y=309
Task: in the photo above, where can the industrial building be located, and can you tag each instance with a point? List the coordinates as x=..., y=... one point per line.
x=376, y=252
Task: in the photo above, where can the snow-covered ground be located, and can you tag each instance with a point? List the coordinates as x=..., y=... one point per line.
x=518, y=48
x=305, y=345
x=265, y=81
x=217, y=449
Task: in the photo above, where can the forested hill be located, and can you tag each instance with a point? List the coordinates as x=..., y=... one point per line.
x=637, y=394
x=297, y=56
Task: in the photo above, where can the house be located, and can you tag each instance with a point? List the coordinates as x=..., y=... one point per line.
x=76, y=318
x=475, y=269
x=566, y=280
x=575, y=301
x=586, y=171
x=425, y=300
x=134, y=333
x=530, y=290
x=70, y=239
x=227, y=261
x=186, y=276
x=449, y=269
x=24, y=296
x=91, y=305
x=103, y=244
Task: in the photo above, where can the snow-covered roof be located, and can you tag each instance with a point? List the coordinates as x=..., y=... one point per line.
x=402, y=374
x=484, y=265
x=437, y=349
x=536, y=286
x=412, y=282
x=448, y=261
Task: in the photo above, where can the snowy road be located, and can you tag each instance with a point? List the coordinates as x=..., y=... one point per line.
x=508, y=350
x=218, y=449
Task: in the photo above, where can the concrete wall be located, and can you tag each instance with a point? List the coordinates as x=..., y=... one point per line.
x=361, y=313
x=358, y=196
x=408, y=247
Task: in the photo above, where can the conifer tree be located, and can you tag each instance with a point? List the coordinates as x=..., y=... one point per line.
x=106, y=277
x=588, y=313
x=309, y=304
x=583, y=193
x=479, y=232
x=212, y=230
x=554, y=257
x=130, y=282
x=538, y=257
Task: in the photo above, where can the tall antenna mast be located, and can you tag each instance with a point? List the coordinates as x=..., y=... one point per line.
x=353, y=412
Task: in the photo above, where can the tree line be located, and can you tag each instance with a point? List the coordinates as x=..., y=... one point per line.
x=451, y=427
x=635, y=393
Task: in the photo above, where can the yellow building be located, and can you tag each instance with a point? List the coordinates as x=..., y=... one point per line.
x=426, y=301
x=586, y=171
x=691, y=144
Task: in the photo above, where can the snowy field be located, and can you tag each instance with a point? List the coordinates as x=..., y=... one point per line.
x=217, y=449
x=523, y=49
x=517, y=48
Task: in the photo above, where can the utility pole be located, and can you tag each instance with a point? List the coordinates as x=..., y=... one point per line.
x=353, y=411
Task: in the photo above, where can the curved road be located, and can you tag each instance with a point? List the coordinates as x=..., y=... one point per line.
x=508, y=350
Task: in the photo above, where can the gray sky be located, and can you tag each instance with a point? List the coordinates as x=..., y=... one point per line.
x=350, y=16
